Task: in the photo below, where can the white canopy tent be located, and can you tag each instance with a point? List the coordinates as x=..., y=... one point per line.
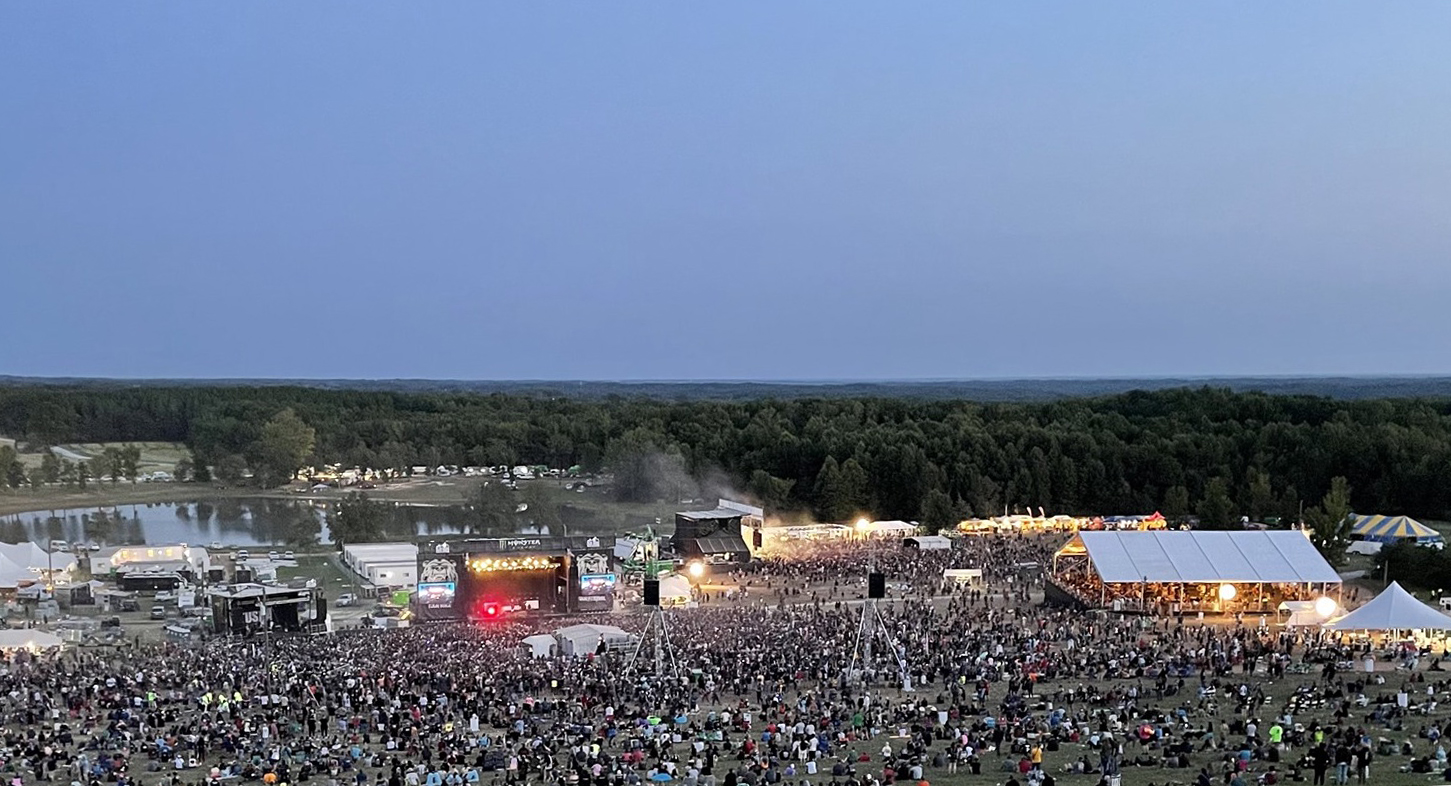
x=674, y=590
x=14, y=639
x=928, y=543
x=1393, y=609
x=540, y=645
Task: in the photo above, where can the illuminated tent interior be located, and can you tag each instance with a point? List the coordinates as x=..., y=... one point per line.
x=1183, y=563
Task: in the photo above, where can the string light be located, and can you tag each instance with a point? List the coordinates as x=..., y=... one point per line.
x=492, y=564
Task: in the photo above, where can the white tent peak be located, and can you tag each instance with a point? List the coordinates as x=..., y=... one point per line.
x=1393, y=609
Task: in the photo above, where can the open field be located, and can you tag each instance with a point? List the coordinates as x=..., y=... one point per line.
x=155, y=456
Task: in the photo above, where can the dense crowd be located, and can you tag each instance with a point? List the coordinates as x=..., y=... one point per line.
x=768, y=691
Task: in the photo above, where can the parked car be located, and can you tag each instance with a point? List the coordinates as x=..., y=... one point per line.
x=165, y=596
x=346, y=599
x=111, y=622
x=158, y=612
x=289, y=556
x=274, y=556
x=243, y=556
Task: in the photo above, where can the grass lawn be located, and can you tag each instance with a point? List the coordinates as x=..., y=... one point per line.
x=332, y=578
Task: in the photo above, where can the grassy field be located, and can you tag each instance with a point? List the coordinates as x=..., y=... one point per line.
x=155, y=456
x=330, y=576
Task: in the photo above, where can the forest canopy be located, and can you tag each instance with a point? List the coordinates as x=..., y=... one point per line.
x=1183, y=451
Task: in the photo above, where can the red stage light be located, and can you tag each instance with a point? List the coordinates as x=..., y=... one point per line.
x=491, y=610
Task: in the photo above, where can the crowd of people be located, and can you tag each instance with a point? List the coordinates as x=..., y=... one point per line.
x=964, y=684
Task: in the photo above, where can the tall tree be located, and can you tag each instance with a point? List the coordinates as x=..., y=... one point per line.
x=1330, y=521
x=543, y=509
x=231, y=469
x=282, y=448
x=130, y=456
x=856, y=487
x=494, y=509
x=1216, y=510
x=357, y=519
x=67, y=473
x=183, y=469
x=771, y=491
x=1176, y=503
x=939, y=512
x=1261, y=498
x=832, y=501
x=49, y=466
x=8, y=458
x=201, y=473
x=115, y=464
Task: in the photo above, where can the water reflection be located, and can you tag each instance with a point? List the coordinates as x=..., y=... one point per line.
x=297, y=524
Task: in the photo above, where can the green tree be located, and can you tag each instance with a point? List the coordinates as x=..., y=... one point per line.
x=543, y=510
x=939, y=512
x=49, y=467
x=231, y=469
x=183, y=469
x=771, y=491
x=856, y=487
x=1261, y=497
x=357, y=519
x=833, y=503
x=1176, y=503
x=130, y=456
x=67, y=473
x=113, y=463
x=494, y=509
x=9, y=460
x=201, y=473
x=1216, y=510
x=1330, y=521
x=283, y=447
x=301, y=527
x=83, y=474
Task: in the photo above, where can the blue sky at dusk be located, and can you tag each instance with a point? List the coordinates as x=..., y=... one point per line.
x=724, y=191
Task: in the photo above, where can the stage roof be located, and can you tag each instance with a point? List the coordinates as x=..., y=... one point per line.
x=1200, y=556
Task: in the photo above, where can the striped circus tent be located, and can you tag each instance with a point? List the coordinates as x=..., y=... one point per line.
x=1387, y=529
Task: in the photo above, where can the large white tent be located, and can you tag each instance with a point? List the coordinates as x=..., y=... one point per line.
x=1393, y=609
x=1168, y=557
x=14, y=639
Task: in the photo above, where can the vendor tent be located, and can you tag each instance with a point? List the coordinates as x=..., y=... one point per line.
x=1303, y=613
x=928, y=543
x=1386, y=529
x=585, y=639
x=540, y=645
x=1393, y=609
x=900, y=529
x=13, y=639
x=1250, y=557
x=674, y=590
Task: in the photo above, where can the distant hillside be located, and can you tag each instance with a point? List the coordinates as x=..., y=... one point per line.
x=1004, y=390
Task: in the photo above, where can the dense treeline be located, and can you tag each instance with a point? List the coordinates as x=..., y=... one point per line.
x=1183, y=451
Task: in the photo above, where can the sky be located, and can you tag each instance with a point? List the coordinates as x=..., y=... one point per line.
x=794, y=190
